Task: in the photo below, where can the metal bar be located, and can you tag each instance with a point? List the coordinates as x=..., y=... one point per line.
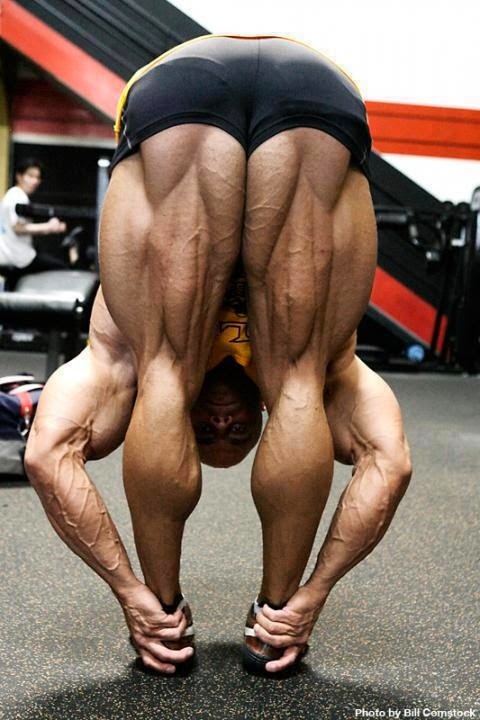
x=87, y=36
x=103, y=163
x=121, y=23
x=38, y=210
x=53, y=354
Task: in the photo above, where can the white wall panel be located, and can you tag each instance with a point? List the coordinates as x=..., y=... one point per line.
x=414, y=51
x=411, y=51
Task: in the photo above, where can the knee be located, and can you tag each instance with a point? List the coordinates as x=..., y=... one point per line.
x=164, y=384
x=297, y=394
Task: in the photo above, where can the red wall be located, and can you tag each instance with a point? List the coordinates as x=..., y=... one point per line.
x=38, y=107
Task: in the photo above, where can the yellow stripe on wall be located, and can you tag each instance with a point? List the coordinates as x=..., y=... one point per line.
x=4, y=139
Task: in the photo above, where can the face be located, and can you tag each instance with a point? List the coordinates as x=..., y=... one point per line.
x=227, y=417
x=29, y=180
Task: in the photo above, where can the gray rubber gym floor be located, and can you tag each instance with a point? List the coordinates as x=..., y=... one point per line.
x=398, y=634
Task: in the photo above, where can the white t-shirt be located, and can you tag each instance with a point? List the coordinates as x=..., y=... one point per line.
x=16, y=250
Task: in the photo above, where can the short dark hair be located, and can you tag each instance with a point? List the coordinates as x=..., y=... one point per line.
x=23, y=165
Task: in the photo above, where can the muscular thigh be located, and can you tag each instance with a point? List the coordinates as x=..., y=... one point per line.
x=309, y=251
x=170, y=233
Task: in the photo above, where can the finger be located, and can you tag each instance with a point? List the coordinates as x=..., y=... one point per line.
x=275, y=615
x=288, y=658
x=171, y=633
x=158, y=631
x=164, y=654
x=152, y=663
x=273, y=627
x=173, y=619
x=276, y=641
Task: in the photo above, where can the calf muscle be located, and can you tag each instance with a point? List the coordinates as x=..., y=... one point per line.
x=290, y=484
x=309, y=236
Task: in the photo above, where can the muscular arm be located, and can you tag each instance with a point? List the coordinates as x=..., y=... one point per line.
x=84, y=414
x=367, y=430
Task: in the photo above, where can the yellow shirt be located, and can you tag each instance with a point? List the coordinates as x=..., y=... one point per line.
x=232, y=340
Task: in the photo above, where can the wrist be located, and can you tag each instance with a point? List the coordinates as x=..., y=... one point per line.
x=123, y=587
x=318, y=589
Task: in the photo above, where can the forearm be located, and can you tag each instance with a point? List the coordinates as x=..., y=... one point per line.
x=367, y=429
x=78, y=514
x=82, y=414
x=31, y=228
x=363, y=515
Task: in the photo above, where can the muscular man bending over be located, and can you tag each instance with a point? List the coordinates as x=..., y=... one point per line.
x=230, y=146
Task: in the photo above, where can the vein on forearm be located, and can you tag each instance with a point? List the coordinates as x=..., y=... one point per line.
x=78, y=513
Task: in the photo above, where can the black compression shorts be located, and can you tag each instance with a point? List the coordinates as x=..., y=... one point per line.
x=253, y=88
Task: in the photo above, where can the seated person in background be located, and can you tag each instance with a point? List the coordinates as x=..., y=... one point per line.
x=17, y=233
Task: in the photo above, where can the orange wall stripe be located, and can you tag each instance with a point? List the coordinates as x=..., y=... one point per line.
x=396, y=127
x=60, y=128
x=425, y=130
x=58, y=56
x=405, y=307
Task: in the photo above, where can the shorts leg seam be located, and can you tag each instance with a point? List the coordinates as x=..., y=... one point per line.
x=359, y=153
x=133, y=143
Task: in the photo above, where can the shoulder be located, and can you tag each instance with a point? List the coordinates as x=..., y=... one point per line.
x=14, y=195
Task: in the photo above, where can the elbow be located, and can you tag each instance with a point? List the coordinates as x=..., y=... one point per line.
x=42, y=461
x=20, y=229
x=397, y=468
x=38, y=463
x=403, y=470
x=49, y=455
x=407, y=472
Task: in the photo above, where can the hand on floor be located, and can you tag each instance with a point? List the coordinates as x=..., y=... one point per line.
x=290, y=627
x=150, y=627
